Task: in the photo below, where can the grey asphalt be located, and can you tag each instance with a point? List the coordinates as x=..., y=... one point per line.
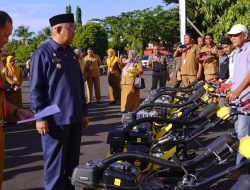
x=23, y=154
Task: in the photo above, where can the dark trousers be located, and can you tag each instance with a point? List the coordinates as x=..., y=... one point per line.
x=161, y=78
x=61, y=149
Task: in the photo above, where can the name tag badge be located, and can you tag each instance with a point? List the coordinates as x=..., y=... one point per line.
x=56, y=60
x=184, y=61
x=110, y=69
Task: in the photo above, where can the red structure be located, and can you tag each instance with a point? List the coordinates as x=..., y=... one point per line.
x=149, y=51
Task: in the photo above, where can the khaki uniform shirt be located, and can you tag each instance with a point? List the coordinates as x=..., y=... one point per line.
x=189, y=65
x=211, y=64
x=92, y=65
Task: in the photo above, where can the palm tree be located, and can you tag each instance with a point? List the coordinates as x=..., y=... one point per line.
x=23, y=33
x=45, y=32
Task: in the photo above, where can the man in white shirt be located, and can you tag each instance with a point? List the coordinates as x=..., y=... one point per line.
x=229, y=50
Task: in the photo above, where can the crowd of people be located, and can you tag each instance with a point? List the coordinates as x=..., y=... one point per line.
x=66, y=77
x=228, y=61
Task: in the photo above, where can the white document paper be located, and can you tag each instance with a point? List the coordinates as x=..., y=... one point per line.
x=49, y=110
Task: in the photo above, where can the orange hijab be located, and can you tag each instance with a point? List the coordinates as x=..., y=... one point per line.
x=13, y=68
x=113, y=59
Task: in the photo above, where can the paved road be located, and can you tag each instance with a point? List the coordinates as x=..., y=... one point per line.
x=24, y=165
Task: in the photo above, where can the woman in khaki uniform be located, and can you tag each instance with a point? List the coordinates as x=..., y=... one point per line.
x=92, y=67
x=13, y=78
x=114, y=77
x=130, y=97
x=210, y=64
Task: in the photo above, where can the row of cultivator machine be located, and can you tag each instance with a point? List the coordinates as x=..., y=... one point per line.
x=160, y=145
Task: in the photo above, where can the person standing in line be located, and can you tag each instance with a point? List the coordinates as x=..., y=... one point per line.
x=130, y=97
x=27, y=68
x=200, y=43
x=177, y=68
x=210, y=64
x=241, y=78
x=229, y=49
x=223, y=72
x=158, y=64
x=92, y=69
x=122, y=60
x=114, y=77
x=13, y=79
x=80, y=56
x=6, y=108
x=189, y=56
x=56, y=79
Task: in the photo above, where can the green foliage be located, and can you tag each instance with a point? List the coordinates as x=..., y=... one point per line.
x=134, y=30
x=23, y=33
x=21, y=48
x=78, y=16
x=217, y=16
x=91, y=35
x=22, y=53
x=237, y=13
x=12, y=46
x=68, y=9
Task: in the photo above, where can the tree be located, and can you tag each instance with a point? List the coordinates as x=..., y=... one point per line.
x=216, y=16
x=22, y=53
x=68, y=9
x=78, y=16
x=237, y=13
x=134, y=30
x=23, y=33
x=42, y=36
x=91, y=35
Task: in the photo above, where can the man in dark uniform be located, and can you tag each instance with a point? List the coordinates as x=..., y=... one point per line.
x=56, y=79
x=158, y=63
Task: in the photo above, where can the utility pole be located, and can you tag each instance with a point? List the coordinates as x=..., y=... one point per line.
x=182, y=15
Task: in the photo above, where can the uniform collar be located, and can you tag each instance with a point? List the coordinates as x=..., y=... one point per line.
x=232, y=53
x=245, y=46
x=56, y=46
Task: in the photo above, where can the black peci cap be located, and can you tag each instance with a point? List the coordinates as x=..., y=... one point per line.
x=219, y=45
x=62, y=18
x=226, y=41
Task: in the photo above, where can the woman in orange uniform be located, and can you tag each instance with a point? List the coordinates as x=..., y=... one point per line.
x=13, y=78
x=114, y=77
x=130, y=97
